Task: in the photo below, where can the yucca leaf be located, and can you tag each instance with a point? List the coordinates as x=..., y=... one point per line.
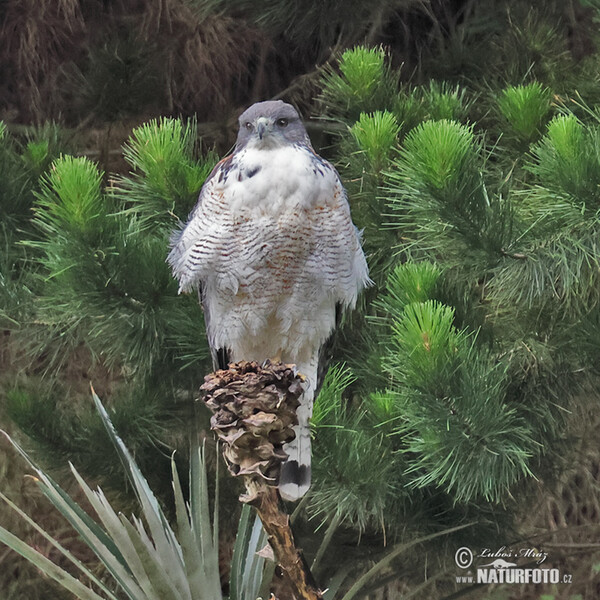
x=158, y=568
x=248, y=571
x=48, y=567
x=335, y=583
x=59, y=547
x=241, y=542
x=143, y=568
x=200, y=512
x=113, y=560
x=115, y=529
x=162, y=534
x=93, y=535
x=254, y=564
x=189, y=544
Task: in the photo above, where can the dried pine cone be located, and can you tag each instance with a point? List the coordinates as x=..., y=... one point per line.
x=254, y=410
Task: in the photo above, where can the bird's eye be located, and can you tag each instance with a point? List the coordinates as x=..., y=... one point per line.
x=282, y=122
x=248, y=125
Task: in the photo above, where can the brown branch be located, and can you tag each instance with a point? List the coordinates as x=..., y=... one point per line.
x=254, y=413
x=276, y=523
x=515, y=255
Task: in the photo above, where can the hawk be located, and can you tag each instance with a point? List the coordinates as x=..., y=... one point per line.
x=274, y=253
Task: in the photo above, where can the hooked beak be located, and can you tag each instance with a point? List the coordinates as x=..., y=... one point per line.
x=262, y=125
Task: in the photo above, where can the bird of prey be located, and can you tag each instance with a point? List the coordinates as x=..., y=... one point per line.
x=274, y=253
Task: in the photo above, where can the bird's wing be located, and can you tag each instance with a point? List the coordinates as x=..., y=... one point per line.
x=326, y=351
x=338, y=255
x=190, y=253
x=196, y=244
x=340, y=261
x=220, y=356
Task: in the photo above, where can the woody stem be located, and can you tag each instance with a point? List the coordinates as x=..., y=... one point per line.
x=277, y=526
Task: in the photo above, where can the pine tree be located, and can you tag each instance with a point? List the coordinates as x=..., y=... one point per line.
x=97, y=263
x=465, y=367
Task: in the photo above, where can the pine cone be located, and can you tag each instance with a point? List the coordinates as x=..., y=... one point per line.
x=254, y=410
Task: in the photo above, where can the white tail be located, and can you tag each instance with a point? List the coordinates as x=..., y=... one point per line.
x=294, y=479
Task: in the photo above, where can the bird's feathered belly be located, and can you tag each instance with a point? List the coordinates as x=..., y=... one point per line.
x=267, y=298
x=273, y=247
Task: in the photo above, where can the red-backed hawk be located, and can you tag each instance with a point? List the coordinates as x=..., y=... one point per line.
x=272, y=248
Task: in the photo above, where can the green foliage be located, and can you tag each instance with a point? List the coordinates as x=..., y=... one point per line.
x=433, y=103
x=43, y=144
x=566, y=160
x=376, y=136
x=21, y=164
x=481, y=229
x=365, y=84
x=408, y=283
x=447, y=401
x=47, y=413
x=472, y=444
x=437, y=192
x=16, y=285
x=71, y=200
x=121, y=77
x=452, y=410
x=426, y=344
x=535, y=46
x=457, y=417
x=444, y=101
x=496, y=43
x=558, y=265
x=525, y=108
x=319, y=25
x=14, y=197
x=166, y=179
x=442, y=155
x=358, y=588
x=367, y=149
x=353, y=468
x=106, y=280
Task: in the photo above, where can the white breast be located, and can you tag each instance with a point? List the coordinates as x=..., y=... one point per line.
x=269, y=181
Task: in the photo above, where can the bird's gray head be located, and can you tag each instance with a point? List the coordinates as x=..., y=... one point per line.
x=269, y=125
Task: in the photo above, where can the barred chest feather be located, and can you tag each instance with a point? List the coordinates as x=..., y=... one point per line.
x=274, y=249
